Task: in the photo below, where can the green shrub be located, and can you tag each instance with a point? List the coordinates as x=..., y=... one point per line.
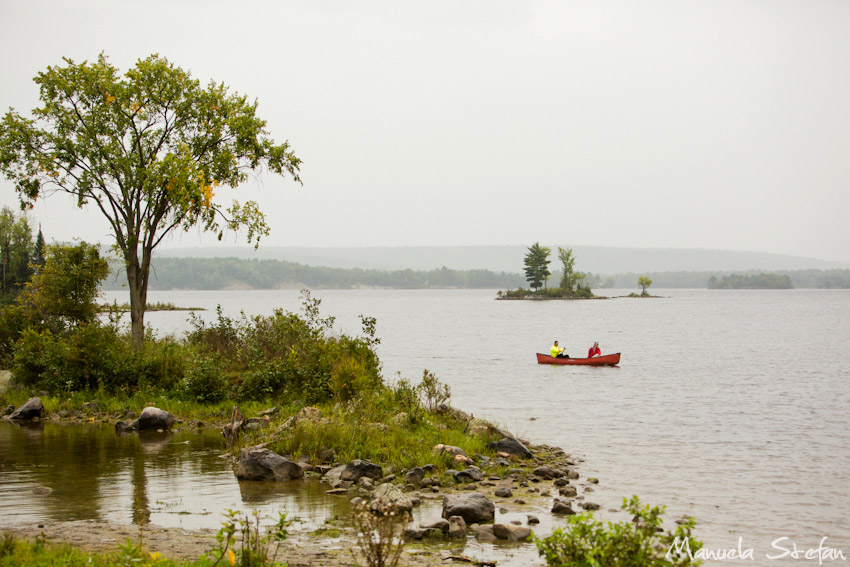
x=203, y=380
x=587, y=542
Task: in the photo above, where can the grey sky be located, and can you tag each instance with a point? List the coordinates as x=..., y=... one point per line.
x=713, y=124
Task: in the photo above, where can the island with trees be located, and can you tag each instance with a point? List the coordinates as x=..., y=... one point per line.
x=572, y=285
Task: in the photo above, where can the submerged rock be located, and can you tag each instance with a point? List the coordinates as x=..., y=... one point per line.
x=510, y=532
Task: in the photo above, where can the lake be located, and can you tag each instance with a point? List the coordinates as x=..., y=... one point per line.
x=730, y=406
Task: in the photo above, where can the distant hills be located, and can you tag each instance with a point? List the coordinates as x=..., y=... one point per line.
x=594, y=259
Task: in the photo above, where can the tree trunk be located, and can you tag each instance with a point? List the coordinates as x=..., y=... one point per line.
x=138, y=283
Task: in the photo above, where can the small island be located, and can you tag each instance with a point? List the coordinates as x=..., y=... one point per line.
x=573, y=285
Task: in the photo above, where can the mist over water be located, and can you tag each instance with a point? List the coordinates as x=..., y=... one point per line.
x=729, y=406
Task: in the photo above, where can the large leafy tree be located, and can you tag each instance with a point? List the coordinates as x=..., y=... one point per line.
x=16, y=251
x=537, y=265
x=148, y=150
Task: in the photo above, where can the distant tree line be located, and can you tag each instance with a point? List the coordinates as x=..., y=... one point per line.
x=819, y=279
x=234, y=273
x=759, y=281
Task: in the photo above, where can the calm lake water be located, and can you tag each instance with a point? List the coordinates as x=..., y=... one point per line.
x=729, y=406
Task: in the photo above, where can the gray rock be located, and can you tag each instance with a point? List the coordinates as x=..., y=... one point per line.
x=414, y=476
x=589, y=506
x=510, y=532
x=256, y=463
x=533, y=520
x=153, y=418
x=545, y=472
x=440, y=524
x=474, y=508
x=510, y=445
x=561, y=507
x=561, y=482
x=30, y=410
x=504, y=492
x=472, y=474
x=568, y=491
x=387, y=497
x=359, y=468
x=457, y=527
x=484, y=533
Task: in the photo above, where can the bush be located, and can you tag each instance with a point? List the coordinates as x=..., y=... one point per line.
x=588, y=543
x=203, y=380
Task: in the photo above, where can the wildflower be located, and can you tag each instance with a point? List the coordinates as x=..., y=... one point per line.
x=231, y=557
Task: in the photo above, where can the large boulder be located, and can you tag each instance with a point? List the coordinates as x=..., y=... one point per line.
x=153, y=418
x=358, y=468
x=29, y=411
x=510, y=445
x=259, y=463
x=474, y=507
x=480, y=427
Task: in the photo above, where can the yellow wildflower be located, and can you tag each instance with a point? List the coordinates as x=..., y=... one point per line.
x=231, y=557
x=155, y=555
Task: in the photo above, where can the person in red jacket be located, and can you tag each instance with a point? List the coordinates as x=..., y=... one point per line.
x=594, y=351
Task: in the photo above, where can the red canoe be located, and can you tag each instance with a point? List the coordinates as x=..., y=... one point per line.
x=606, y=360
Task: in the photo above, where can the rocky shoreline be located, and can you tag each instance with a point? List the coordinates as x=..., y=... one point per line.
x=520, y=481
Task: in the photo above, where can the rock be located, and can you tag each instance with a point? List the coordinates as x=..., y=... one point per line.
x=546, y=472
x=457, y=527
x=42, y=491
x=366, y=482
x=256, y=463
x=480, y=427
x=414, y=476
x=8, y=411
x=484, y=533
x=356, y=502
x=561, y=507
x=387, y=497
x=359, y=468
x=337, y=491
x=440, y=524
x=472, y=474
x=451, y=450
x=474, y=508
x=568, y=491
x=511, y=446
x=504, y=492
x=422, y=533
x=589, y=506
x=327, y=455
x=510, y=532
x=270, y=411
x=153, y=418
x=399, y=418
x=89, y=407
x=32, y=409
x=572, y=475
x=123, y=427
x=64, y=413
x=533, y=520
x=561, y=482
x=592, y=480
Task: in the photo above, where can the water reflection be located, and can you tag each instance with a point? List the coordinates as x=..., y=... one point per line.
x=175, y=479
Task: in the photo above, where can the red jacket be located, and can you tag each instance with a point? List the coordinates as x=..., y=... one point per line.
x=593, y=352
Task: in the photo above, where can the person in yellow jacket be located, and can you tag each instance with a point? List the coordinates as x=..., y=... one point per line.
x=557, y=352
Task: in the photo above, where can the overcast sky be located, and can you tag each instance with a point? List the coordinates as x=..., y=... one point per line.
x=713, y=124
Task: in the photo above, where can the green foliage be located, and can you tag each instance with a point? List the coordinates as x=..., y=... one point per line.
x=203, y=380
x=62, y=294
x=587, y=542
x=433, y=392
x=644, y=283
x=568, y=281
x=148, y=149
x=17, y=253
x=760, y=281
x=244, y=534
x=537, y=265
